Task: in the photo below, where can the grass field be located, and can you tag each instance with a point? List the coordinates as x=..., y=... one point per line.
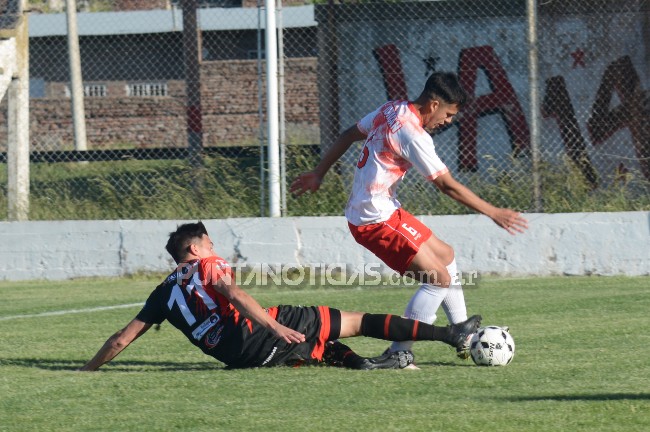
x=582, y=364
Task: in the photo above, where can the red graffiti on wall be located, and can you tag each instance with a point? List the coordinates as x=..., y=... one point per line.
x=578, y=58
x=502, y=100
x=557, y=104
x=390, y=65
x=621, y=77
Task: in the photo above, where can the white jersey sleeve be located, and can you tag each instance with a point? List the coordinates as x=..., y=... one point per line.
x=365, y=125
x=421, y=152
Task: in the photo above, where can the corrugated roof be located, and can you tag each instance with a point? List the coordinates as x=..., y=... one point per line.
x=163, y=21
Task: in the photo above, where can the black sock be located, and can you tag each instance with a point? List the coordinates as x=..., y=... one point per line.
x=339, y=354
x=395, y=328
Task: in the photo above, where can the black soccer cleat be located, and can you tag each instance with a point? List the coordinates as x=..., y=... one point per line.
x=463, y=352
x=341, y=355
x=388, y=360
x=460, y=335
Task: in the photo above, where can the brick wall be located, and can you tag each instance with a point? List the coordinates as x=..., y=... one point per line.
x=229, y=101
x=126, y=5
x=234, y=113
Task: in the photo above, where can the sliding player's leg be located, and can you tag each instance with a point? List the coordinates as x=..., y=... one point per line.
x=396, y=328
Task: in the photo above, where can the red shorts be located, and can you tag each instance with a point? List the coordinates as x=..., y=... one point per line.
x=395, y=241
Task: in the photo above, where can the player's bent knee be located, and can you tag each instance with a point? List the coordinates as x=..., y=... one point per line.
x=429, y=269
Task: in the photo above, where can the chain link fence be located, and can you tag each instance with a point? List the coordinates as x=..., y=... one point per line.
x=174, y=103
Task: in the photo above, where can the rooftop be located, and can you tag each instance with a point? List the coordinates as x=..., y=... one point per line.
x=163, y=21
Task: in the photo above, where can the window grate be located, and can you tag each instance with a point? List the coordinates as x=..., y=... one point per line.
x=147, y=89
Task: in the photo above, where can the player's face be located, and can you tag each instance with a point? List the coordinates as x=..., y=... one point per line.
x=440, y=115
x=205, y=247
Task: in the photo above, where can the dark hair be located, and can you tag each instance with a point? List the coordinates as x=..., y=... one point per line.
x=445, y=85
x=182, y=238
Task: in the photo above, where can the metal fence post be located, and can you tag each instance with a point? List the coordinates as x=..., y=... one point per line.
x=533, y=75
x=76, y=80
x=272, y=109
x=282, y=120
x=260, y=111
x=18, y=128
x=191, y=51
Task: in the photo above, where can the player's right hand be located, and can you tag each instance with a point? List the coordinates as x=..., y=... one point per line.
x=289, y=335
x=510, y=220
x=309, y=181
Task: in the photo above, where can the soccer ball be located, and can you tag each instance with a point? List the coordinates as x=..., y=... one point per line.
x=492, y=346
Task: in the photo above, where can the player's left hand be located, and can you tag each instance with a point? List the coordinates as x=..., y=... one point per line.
x=510, y=220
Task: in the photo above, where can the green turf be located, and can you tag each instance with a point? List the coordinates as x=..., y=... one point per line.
x=581, y=365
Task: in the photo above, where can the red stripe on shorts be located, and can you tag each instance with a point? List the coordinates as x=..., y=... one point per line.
x=319, y=348
x=273, y=312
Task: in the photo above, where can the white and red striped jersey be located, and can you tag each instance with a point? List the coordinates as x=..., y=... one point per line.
x=396, y=142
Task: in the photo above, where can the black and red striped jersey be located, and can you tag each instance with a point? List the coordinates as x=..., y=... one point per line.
x=188, y=299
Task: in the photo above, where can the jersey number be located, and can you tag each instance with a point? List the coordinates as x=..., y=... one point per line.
x=410, y=230
x=178, y=298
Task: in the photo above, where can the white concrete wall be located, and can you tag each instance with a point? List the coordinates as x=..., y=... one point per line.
x=570, y=244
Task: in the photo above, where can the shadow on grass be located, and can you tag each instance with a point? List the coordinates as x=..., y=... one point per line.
x=585, y=397
x=444, y=363
x=121, y=366
x=161, y=366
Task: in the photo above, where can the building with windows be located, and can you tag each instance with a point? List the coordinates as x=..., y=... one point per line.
x=133, y=73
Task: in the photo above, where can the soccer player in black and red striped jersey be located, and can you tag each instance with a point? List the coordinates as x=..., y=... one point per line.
x=201, y=299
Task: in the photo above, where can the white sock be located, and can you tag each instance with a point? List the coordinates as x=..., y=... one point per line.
x=454, y=302
x=422, y=307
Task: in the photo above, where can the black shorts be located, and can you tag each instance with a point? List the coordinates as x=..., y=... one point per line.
x=245, y=344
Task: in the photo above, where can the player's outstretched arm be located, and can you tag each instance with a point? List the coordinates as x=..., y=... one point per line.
x=116, y=344
x=507, y=219
x=311, y=180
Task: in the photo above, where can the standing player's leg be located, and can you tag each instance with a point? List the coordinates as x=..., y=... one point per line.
x=409, y=247
x=454, y=303
x=429, y=266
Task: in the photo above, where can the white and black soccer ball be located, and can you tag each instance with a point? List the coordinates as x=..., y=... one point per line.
x=492, y=346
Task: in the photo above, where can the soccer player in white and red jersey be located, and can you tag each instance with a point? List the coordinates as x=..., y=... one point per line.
x=201, y=299
x=397, y=138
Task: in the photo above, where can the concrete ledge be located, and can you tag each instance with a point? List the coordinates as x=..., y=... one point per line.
x=556, y=244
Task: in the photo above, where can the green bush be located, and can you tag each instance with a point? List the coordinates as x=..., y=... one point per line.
x=225, y=187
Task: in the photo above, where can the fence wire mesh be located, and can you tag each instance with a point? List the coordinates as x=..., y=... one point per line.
x=174, y=107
